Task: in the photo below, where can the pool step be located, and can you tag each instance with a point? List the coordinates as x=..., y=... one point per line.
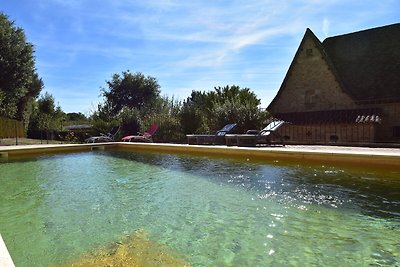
x=93, y=148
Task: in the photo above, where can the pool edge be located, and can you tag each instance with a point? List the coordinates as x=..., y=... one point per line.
x=344, y=155
x=371, y=157
x=5, y=257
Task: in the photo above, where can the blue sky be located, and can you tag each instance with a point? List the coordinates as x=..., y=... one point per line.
x=186, y=45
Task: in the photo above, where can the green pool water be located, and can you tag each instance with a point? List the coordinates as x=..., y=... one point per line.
x=212, y=211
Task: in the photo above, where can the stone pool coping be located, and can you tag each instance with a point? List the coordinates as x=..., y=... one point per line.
x=361, y=156
x=5, y=258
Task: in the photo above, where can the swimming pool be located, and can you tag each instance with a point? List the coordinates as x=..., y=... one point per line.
x=74, y=208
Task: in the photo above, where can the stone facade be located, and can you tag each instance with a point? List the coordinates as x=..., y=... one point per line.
x=310, y=84
x=339, y=133
x=386, y=130
x=313, y=85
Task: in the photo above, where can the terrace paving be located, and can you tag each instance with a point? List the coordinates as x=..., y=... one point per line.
x=384, y=151
x=373, y=151
x=334, y=154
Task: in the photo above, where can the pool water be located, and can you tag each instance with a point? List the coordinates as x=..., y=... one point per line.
x=61, y=210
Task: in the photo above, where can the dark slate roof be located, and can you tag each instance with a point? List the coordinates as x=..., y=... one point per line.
x=368, y=62
x=369, y=115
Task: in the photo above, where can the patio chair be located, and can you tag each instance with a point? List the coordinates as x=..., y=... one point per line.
x=267, y=136
x=142, y=137
x=108, y=137
x=211, y=139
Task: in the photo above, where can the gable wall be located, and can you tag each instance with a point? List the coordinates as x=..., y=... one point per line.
x=310, y=85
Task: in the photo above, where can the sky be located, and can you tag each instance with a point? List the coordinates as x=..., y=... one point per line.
x=186, y=45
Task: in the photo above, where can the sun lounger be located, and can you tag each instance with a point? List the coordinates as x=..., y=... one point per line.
x=211, y=139
x=266, y=136
x=142, y=137
x=108, y=137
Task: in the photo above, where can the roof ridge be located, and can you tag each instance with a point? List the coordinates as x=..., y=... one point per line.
x=330, y=63
x=362, y=31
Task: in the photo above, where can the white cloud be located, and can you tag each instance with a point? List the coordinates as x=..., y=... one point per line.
x=325, y=27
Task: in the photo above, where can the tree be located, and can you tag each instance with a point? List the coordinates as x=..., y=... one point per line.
x=210, y=111
x=239, y=105
x=19, y=82
x=195, y=112
x=132, y=91
x=76, y=117
x=46, y=116
x=235, y=93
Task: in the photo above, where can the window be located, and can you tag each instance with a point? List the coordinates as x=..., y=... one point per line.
x=310, y=98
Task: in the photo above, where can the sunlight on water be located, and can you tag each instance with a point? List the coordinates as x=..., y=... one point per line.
x=73, y=209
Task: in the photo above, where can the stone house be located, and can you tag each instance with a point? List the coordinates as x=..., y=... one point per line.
x=345, y=89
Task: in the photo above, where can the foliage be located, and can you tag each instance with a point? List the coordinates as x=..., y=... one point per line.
x=194, y=113
x=46, y=116
x=130, y=90
x=128, y=99
x=130, y=121
x=102, y=119
x=210, y=111
x=166, y=114
x=133, y=102
x=19, y=82
x=76, y=117
x=235, y=93
x=246, y=115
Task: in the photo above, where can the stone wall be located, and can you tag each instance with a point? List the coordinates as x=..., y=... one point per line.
x=329, y=133
x=390, y=120
x=310, y=84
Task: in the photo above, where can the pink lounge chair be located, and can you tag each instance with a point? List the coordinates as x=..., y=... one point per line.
x=142, y=137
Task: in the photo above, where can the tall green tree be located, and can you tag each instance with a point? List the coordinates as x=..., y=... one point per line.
x=132, y=91
x=196, y=111
x=19, y=82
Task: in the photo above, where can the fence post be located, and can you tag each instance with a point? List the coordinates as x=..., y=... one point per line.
x=16, y=133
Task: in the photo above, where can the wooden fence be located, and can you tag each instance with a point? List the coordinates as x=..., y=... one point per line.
x=10, y=128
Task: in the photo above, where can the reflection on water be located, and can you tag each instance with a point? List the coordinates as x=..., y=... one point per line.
x=372, y=192
x=196, y=210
